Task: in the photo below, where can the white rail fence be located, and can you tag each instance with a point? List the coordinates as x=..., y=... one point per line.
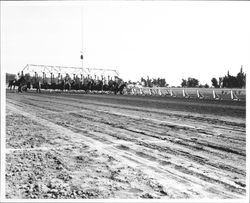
x=200, y=93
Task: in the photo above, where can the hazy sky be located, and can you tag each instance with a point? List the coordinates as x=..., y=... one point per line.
x=173, y=40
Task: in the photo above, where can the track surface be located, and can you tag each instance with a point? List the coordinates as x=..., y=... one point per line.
x=107, y=146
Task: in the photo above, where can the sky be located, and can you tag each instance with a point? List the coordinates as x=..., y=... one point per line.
x=172, y=40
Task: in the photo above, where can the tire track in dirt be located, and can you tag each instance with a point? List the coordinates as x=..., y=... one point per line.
x=122, y=129
x=173, y=163
x=177, y=167
x=199, y=129
x=176, y=142
x=192, y=141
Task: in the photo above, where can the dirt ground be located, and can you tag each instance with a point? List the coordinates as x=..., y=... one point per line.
x=107, y=146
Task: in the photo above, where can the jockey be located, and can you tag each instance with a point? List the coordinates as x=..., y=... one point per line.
x=105, y=82
x=18, y=76
x=77, y=79
x=119, y=81
x=81, y=80
x=85, y=80
x=116, y=79
x=67, y=78
x=95, y=80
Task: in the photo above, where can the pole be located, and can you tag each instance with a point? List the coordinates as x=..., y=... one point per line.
x=82, y=35
x=51, y=77
x=43, y=77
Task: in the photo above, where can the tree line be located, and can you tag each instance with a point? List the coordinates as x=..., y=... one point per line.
x=150, y=82
x=192, y=82
x=228, y=81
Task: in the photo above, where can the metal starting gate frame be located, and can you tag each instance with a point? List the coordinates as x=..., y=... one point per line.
x=73, y=71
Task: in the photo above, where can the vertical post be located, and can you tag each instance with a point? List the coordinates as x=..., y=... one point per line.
x=43, y=76
x=51, y=77
x=82, y=35
x=232, y=96
x=215, y=96
x=58, y=77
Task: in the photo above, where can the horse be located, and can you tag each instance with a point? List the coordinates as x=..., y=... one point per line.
x=37, y=85
x=97, y=85
x=75, y=85
x=12, y=83
x=45, y=85
x=22, y=84
x=67, y=85
x=119, y=87
x=86, y=85
x=60, y=85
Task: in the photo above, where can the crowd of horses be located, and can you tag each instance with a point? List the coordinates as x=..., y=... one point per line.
x=88, y=85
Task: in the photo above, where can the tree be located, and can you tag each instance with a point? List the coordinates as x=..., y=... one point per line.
x=160, y=82
x=241, y=78
x=192, y=82
x=230, y=81
x=238, y=81
x=184, y=83
x=215, y=82
x=206, y=85
x=203, y=86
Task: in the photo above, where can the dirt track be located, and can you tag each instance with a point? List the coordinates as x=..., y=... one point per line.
x=103, y=146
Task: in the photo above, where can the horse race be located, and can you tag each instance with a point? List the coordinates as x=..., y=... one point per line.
x=76, y=132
